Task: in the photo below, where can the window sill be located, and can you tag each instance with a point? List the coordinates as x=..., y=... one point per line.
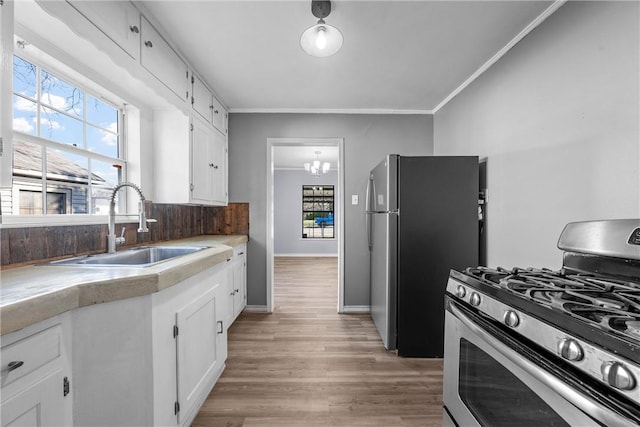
x=316, y=239
x=19, y=221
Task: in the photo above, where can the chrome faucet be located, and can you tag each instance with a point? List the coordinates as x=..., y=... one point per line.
x=112, y=240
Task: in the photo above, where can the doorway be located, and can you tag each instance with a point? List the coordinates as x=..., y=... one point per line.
x=275, y=148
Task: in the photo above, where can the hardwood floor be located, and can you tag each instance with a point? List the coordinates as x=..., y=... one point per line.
x=307, y=365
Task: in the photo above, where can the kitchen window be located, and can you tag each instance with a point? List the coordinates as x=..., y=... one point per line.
x=317, y=211
x=67, y=146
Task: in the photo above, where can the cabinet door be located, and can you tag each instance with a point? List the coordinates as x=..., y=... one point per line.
x=219, y=116
x=197, y=348
x=119, y=20
x=221, y=324
x=201, y=98
x=162, y=61
x=240, y=282
x=202, y=167
x=219, y=161
x=41, y=404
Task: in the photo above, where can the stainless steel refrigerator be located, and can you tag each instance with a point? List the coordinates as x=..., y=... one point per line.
x=422, y=221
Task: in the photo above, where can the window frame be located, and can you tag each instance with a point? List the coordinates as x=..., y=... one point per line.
x=306, y=212
x=95, y=91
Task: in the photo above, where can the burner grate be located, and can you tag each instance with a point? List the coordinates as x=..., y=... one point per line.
x=610, y=304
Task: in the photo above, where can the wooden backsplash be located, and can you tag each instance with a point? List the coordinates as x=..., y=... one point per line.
x=25, y=245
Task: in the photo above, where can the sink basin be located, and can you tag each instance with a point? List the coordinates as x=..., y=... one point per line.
x=144, y=256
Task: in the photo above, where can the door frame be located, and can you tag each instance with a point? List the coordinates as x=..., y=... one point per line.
x=293, y=142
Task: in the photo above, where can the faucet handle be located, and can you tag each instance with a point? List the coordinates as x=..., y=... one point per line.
x=120, y=240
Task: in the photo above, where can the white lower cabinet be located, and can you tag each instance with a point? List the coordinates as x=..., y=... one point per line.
x=151, y=360
x=190, y=344
x=36, y=374
x=239, y=268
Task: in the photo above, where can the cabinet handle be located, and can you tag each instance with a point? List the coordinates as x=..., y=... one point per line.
x=240, y=253
x=216, y=111
x=14, y=365
x=211, y=165
x=221, y=331
x=134, y=29
x=214, y=166
x=148, y=43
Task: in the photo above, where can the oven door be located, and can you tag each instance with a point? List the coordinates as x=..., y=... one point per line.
x=492, y=380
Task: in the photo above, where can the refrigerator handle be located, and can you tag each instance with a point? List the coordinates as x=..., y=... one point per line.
x=367, y=214
x=367, y=199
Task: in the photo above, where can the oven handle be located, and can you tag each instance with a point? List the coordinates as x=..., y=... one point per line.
x=585, y=404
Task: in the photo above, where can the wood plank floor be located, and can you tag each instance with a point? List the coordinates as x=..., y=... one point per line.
x=307, y=365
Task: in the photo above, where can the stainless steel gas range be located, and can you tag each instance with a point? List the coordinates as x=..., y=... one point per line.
x=534, y=347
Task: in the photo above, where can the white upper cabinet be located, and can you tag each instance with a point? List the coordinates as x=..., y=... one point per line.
x=157, y=56
x=209, y=165
x=220, y=116
x=190, y=160
x=201, y=98
x=119, y=20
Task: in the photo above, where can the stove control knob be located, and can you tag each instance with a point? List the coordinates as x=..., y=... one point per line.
x=475, y=299
x=461, y=292
x=617, y=375
x=511, y=319
x=571, y=350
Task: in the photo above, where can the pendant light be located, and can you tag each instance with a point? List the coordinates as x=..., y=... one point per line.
x=321, y=40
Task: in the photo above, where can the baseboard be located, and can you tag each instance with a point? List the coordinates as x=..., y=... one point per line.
x=256, y=309
x=307, y=255
x=356, y=309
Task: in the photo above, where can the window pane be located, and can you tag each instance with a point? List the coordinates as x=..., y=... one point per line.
x=56, y=203
x=100, y=198
x=67, y=167
x=30, y=202
x=101, y=114
x=60, y=127
x=24, y=115
x=27, y=159
x=24, y=77
x=102, y=141
x=104, y=174
x=60, y=95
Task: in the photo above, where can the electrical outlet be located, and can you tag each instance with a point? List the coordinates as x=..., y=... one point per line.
x=354, y=199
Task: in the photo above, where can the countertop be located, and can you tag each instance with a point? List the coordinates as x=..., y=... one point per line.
x=34, y=293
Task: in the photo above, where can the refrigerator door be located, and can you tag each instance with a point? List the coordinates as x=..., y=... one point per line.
x=437, y=232
x=383, y=225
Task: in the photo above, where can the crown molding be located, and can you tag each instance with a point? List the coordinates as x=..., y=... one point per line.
x=536, y=22
x=382, y=111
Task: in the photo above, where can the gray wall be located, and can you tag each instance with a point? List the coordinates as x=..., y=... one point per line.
x=367, y=139
x=557, y=119
x=287, y=213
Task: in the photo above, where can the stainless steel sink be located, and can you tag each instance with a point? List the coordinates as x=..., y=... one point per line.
x=143, y=256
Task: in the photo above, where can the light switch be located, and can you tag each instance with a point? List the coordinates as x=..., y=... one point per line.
x=354, y=199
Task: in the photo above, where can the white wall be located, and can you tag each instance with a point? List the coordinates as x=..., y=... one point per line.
x=558, y=120
x=367, y=139
x=287, y=213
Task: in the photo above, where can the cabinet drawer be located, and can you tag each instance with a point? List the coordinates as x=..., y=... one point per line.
x=34, y=352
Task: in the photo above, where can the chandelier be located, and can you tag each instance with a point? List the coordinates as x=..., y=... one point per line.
x=314, y=167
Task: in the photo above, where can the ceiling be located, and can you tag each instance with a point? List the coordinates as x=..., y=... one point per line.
x=398, y=56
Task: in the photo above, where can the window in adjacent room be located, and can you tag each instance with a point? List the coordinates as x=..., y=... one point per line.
x=318, y=211
x=67, y=146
